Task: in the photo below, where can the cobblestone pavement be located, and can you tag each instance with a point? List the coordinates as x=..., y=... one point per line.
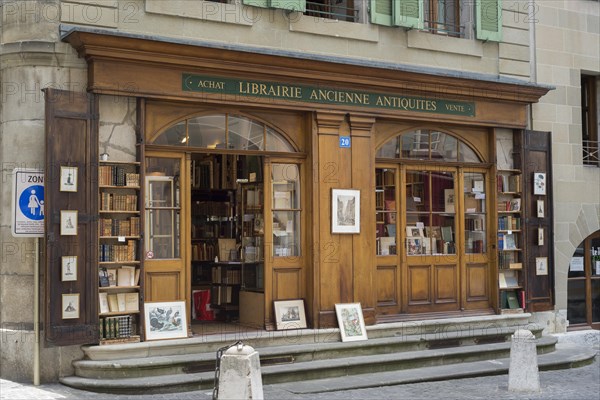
x=578, y=384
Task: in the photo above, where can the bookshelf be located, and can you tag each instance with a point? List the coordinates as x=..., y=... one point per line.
x=119, y=266
x=510, y=240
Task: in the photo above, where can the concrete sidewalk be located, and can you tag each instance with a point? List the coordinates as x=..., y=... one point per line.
x=579, y=383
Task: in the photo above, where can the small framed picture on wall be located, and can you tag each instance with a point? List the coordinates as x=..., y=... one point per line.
x=68, y=179
x=68, y=223
x=69, y=268
x=539, y=183
x=540, y=209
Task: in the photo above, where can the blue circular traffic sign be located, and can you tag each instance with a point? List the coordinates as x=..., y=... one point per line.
x=31, y=202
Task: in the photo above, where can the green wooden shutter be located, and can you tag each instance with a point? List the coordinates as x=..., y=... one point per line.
x=489, y=20
x=408, y=13
x=381, y=12
x=292, y=5
x=256, y=3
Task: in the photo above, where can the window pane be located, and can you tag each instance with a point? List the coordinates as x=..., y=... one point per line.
x=416, y=145
x=595, y=256
x=576, y=267
x=245, y=134
x=417, y=189
x=285, y=180
x=390, y=150
x=466, y=154
x=276, y=142
x=386, y=212
x=474, y=204
x=446, y=149
x=207, y=131
x=442, y=192
x=161, y=233
x=576, y=301
x=175, y=135
x=286, y=233
x=595, y=300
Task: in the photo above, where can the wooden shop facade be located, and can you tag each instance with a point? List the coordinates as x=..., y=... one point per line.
x=258, y=178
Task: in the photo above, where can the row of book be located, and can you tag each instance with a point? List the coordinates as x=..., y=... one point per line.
x=509, y=223
x=509, y=205
x=118, y=202
x=221, y=295
x=126, y=275
x=119, y=302
x=508, y=183
x=474, y=224
x=231, y=276
x=512, y=299
x=507, y=241
x=120, y=227
x=116, y=327
x=211, y=208
x=509, y=260
x=118, y=252
x=114, y=175
x=205, y=251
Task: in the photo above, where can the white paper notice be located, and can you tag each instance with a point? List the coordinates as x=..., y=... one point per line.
x=576, y=264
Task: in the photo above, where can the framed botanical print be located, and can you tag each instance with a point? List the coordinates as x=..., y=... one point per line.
x=351, y=322
x=539, y=183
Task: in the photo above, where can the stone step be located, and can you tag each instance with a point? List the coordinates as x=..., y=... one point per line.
x=314, y=370
x=293, y=353
x=263, y=339
x=564, y=356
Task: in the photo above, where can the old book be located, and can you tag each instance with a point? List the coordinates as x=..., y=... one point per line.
x=132, y=301
x=125, y=276
x=121, y=301
x=113, y=303
x=103, y=297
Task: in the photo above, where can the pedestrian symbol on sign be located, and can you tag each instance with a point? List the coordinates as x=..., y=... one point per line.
x=31, y=202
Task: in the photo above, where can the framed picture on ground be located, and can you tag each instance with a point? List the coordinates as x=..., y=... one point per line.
x=290, y=314
x=345, y=211
x=351, y=322
x=165, y=320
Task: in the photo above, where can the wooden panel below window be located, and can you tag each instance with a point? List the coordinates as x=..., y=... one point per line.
x=419, y=285
x=163, y=286
x=477, y=288
x=387, y=286
x=446, y=284
x=287, y=283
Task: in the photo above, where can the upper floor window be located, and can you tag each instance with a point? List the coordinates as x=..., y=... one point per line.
x=447, y=17
x=342, y=10
x=589, y=120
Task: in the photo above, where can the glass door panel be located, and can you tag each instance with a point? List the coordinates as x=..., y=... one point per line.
x=475, y=213
x=386, y=215
x=285, y=204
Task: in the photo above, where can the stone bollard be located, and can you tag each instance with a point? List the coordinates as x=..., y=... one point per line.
x=240, y=376
x=523, y=374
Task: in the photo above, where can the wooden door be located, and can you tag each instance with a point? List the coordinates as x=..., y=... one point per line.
x=71, y=307
x=165, y=218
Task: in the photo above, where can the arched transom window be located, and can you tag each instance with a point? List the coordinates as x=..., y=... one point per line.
x=223, y=131
x=425, y=144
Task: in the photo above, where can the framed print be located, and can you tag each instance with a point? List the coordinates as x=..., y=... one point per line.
x=68, y=223
x=414, y=246
x=70, y=306
x=413, y=231
x=68, y=271
x=165, y=320
x=289, y=314
x=345, y=211
x=68, y=179
x=540, y=208
x=541, y=265
x=351, y=322
x=539, y=183
x=540, y=236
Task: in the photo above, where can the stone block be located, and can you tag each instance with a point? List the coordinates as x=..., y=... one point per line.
x=550, y=38
x=240, y=376
x=523, y=373
x=30, y=20
x=514, y=52
x=16, y=298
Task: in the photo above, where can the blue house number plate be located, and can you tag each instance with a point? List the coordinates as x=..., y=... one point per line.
x=344, y=141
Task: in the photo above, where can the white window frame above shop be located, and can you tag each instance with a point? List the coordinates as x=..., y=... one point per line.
x=411, y=14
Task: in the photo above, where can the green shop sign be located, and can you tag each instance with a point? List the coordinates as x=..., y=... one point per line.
x=323, y=95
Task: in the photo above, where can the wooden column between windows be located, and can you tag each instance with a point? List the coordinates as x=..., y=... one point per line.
x=363, y=244
x=333, y=267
